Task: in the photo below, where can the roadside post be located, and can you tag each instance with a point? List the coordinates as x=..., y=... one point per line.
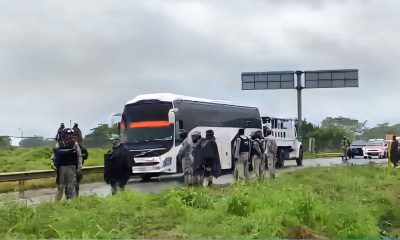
x=341, y=78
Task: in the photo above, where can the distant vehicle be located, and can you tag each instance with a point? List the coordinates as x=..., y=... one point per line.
x=151, y=123
x=375, y=148
x=285, y=134
x=356, y=148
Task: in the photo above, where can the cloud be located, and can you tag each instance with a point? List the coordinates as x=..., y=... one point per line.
x=83, y=60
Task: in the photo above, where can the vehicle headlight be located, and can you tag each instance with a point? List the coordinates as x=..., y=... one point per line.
x=167, y=161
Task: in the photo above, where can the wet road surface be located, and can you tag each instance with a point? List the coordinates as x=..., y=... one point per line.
x=156, y=185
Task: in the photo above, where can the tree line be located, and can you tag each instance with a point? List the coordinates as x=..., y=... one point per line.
x=328, y=134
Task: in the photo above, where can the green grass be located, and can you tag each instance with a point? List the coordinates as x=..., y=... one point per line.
x=26, y=159
x=336, y=202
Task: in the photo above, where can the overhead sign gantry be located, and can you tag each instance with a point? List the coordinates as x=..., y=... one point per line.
x=341, y=78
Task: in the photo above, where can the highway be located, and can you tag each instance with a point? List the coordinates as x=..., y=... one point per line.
x=157, y=185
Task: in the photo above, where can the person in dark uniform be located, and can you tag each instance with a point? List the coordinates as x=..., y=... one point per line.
x=394, y=152
x=212, y=164
x=78, y=133
x=60, y=132
x=117, y=166
x=67, y=160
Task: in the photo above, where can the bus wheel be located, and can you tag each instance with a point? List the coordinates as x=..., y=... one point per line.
x=280, y=163
x=299, y=160
x=146, y=177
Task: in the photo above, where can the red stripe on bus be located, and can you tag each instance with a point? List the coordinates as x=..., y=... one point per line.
x=149, y=124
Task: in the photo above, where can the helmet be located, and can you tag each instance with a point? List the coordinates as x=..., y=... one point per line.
x=68, y=131
x=210, y=132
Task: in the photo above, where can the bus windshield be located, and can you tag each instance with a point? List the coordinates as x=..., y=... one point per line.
x=146, y=122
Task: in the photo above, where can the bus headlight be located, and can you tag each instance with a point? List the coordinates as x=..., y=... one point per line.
x=167, y=161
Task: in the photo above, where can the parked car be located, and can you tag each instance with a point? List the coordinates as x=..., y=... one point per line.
x=375, y=148
x=356, y=148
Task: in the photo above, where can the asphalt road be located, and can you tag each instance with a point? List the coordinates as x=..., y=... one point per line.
x=156, y=185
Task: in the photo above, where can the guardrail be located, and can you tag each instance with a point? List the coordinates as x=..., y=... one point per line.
x=30, y=175
x=328, y=154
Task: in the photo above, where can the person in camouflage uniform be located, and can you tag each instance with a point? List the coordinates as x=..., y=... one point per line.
x=344, y=145
x=257, y=154
x=185, y=157
x=270, y=152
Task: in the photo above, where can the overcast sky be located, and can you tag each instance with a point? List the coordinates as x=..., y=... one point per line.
x=83, y=60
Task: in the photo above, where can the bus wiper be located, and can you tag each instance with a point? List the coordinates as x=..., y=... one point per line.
x=163, y=139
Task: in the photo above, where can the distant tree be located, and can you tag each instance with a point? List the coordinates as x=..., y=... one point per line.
x=308, y=131
x=352, y=127
x=327, y=137
x=5, y=142
x=36, y=141
x=381, y=130
x=99, y=137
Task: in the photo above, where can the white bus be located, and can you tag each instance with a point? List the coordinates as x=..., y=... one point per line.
x=150, y=125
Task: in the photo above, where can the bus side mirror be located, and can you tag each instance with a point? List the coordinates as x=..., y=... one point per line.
x=171, y=116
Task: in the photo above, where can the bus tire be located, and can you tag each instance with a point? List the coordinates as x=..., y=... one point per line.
x=299, y=160
x=280, y=163
x=146, y=177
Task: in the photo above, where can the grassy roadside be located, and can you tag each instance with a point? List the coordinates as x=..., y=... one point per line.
x=336, y=202
x=27, y=159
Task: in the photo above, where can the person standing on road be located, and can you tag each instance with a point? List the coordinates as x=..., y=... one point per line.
x=117, y=166
x=257, y=154
x=394, y=152
x=68, y=162
x=241, y=150
x=185, y=157
x=212, y=164
x=344, y=144
x=198, y=159
x=60, y=132
x=78, y=133
x=270, y=152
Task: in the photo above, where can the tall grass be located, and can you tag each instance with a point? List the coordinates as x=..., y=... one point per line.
x=337, y=202
x=26, y=159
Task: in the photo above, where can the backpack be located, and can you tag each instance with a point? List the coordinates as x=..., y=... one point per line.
x=244, y=144
x=84, y=153
x=67, y=139
x=253, y=149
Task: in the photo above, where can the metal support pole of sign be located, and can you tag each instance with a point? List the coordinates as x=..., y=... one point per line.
x=299, y=105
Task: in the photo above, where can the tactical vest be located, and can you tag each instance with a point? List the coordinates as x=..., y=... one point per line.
x=66, y=157
x=244, y=144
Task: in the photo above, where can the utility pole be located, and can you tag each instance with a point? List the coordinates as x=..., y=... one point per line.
x=299, y=87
